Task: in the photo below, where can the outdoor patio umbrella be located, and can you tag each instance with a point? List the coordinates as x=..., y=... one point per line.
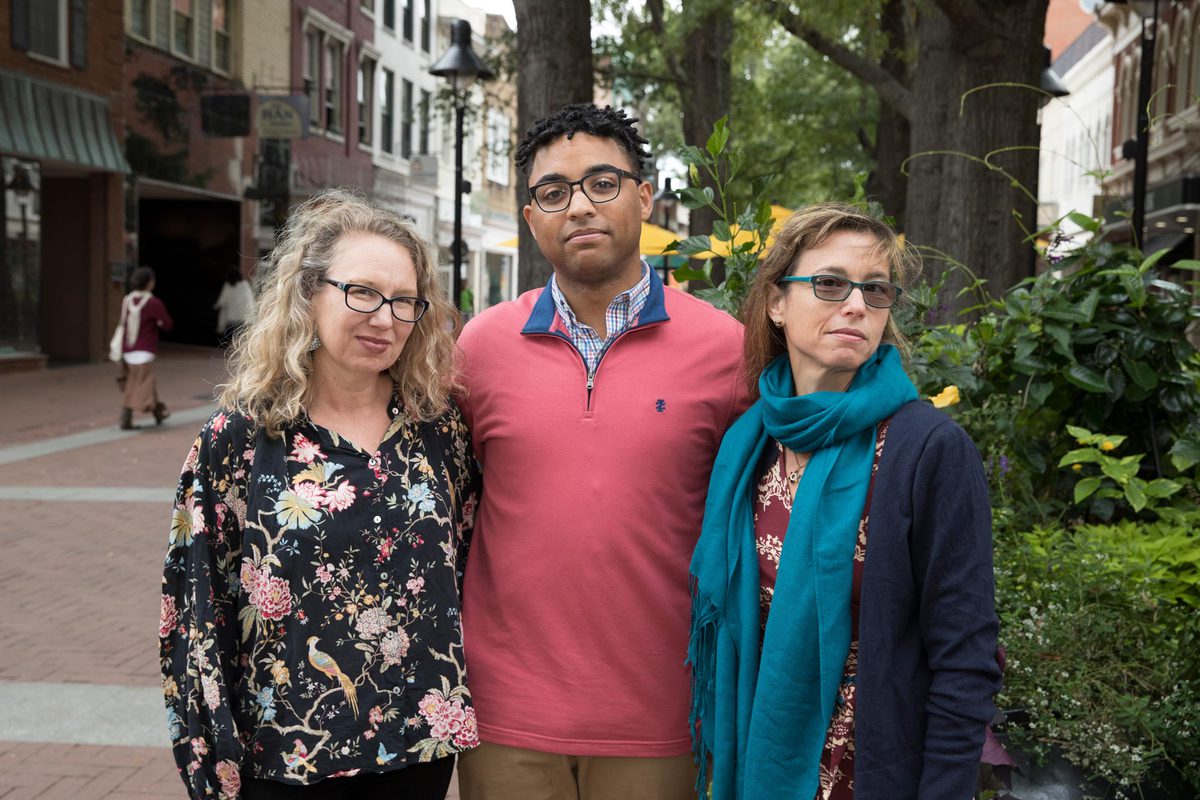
x=653, y=240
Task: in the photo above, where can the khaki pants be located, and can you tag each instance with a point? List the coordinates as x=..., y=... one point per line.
x=497, y=772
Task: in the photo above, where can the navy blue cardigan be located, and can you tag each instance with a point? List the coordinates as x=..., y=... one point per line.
x=927, y=622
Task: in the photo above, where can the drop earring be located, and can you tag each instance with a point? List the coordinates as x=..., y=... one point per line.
x=314, y=344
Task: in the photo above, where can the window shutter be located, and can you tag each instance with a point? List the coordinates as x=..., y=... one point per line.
x=79, y=34
x=20, y=24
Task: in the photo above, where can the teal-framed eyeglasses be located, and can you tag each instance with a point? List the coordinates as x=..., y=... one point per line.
x=835, y=289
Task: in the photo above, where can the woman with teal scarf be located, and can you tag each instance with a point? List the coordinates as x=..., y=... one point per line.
x=843, y=628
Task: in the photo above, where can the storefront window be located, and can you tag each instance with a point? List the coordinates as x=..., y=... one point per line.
x=20, y=256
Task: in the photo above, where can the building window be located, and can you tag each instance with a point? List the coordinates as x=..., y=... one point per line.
x=368, y=7
x=366, y=104
x=426, y=111
x=183, y=28
x=406, y=119
x=408, y=20
x=426, y=25
x=334, y=52
x=389, y=14
x=498, y=131
x=387, y=117
x=140, y=23
x=222, y=55
x=312, y=72
x=48, y=29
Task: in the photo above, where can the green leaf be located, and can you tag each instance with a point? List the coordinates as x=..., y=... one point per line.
x=719, y=137
x=1084, y=221
x=1187, y=263
x=692, y=245
x=1135, y=495
x=721, y=231
x=689, y=274
x=1087, y=379
x=695, y=198
x=1086, y=455
x=1121, y=473
x=1062, y=340
x=1162, y=487
x=1151, y=261
x=1079, y=433
x=1038, y=392
x=1185, y=454
x=1141, y=373
x=1085, y=487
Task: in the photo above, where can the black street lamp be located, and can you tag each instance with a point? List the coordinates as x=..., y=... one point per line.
x=460, y=64
x=1148, y=11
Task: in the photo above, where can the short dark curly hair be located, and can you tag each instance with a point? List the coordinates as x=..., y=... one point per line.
x=569, y=120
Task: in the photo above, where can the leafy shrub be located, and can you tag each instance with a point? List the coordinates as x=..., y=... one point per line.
x=1103, y=641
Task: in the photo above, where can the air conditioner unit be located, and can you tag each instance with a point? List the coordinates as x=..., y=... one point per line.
x=423, y=170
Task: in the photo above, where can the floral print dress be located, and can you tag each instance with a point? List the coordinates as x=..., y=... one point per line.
x=772, y=512
x=310, y=608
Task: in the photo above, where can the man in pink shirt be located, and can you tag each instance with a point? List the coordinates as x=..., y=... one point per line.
x=597, y=405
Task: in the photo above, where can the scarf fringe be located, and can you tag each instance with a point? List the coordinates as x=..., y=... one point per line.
x=702, y=656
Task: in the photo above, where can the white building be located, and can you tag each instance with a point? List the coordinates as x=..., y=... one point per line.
x=1076, y=148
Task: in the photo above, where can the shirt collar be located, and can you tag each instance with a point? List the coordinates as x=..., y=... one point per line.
x=635, y=296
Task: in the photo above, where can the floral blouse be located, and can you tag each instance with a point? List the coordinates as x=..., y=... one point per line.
x=310, y=608
x=772, y=512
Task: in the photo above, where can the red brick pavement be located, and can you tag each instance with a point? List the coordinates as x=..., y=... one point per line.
x=79, y=581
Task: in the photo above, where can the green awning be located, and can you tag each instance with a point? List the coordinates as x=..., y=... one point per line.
x=47, y=122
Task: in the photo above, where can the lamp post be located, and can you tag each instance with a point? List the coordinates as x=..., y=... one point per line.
x=1148, y=11
x=460, y=64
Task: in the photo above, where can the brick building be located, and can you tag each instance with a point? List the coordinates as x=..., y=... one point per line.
x=62, y=255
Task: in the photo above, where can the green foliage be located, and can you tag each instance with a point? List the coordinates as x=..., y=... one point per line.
x=1101, y=630
x=1106, y=479
x=739, y=232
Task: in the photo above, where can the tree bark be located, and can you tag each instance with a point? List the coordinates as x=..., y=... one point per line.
x=554, y=67
x=705, y=88
x=957, y=206
x=887, y=183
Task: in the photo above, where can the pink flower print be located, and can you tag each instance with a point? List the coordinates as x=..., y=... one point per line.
x=368, y=734
x=468, y=734
x=167, y=616
x=385, y=550
x=310, y=491
x=335, y=593
x=372, y=622
x=199, y=746
x=394, y=647
x=375, y=716
x=343, y=572
x=415, y=585
x=325, y=573
x=249, y=576
x=248, y=456
x=212, y=692
x=193, y=458
x=340, y=498
x=305, y=450
x=221, y=509
x=430, y=705
x=239, y=510
x=448, y=721
x=229, y=777
x=272, y=597
x=218, y=424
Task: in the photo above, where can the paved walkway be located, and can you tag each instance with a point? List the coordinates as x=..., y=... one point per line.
x=84, y=509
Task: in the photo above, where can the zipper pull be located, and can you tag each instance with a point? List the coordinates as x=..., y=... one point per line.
x=591, y=380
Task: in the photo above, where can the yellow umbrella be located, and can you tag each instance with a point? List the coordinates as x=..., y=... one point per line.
x=654, y=239
x=779, y=215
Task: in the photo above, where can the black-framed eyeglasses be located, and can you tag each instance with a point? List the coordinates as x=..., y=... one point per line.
x=835, y=288
x=366, y=300
x=599, y=187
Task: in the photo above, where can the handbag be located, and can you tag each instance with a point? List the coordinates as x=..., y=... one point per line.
x=115, y=344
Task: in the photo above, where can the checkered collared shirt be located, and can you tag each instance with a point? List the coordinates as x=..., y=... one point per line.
x=622, y=312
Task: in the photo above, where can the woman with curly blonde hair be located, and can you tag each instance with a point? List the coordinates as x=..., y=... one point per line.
x=843, y=629
x=310, y=603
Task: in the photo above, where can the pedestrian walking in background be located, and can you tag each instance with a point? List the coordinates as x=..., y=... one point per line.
x=234, y=306
x=143, y=317
x=844, y=631
x=597, y=405
x=310, y=639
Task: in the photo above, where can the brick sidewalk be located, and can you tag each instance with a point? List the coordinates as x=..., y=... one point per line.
x=79, y=581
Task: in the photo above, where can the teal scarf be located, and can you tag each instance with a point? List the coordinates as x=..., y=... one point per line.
x=763, y=720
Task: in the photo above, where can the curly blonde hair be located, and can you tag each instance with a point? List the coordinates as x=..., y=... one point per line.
x=808, y=228
x=270, y=363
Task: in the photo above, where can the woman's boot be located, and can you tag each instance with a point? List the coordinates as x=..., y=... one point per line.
x=126, y=419
x=160, y=413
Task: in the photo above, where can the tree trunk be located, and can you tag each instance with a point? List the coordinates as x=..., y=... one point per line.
x=887, y=184
x=705, y=89
x=958, y=207
x=554, y=67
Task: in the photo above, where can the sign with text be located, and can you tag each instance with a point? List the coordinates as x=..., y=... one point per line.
x=282, y=116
